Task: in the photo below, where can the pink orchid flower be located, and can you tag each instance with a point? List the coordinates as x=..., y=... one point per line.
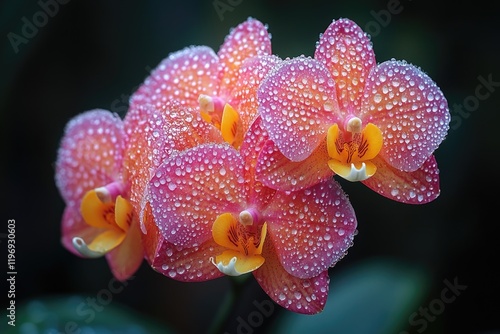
x=342, y=113
x=102, y=170
x=217, y=219
x=221, y=86
x=99, y=218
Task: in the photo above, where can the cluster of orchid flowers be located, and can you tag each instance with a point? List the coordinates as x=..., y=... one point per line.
x=224, y=163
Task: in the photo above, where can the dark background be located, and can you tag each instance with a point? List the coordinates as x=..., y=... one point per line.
x=93, y=54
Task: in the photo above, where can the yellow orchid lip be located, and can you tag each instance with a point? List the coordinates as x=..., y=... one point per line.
x=112, y=214
x=352, y=150
x=244, y=241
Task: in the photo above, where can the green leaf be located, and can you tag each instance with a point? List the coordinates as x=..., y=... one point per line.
x=375, y=297
x=76, y=315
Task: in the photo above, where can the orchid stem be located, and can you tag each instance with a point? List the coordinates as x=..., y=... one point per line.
x=221, y=319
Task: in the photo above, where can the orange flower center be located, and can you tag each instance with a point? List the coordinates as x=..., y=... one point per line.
x=244, y=240
x=351, y=150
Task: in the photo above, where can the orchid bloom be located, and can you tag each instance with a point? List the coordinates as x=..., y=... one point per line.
x=222, y=86
x=99, y=219
x=217, y=219
x=342, y=113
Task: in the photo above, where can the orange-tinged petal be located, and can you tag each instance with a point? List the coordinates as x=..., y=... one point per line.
x=125, y=259
x=189, y=190
x=137, y=159
x=90, y=154
x=181, y=128
x=151, y=236
x=274, y=170
x=409, y=109
x=97, y=213
x=311, y=229
x=298, y=103
x=182, y=76
x=248, y=39
x=347, y=52
x=418, y=187
x=306, y=296
x=235, y=263
x=160, y=132
x=188, y=264
x=254, y=141
x=243, y=96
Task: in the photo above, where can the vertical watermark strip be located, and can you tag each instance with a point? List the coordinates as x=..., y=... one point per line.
x=11, y=272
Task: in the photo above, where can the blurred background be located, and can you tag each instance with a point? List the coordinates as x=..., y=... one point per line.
x=412, y=269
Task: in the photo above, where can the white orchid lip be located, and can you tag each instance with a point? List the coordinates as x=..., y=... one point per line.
x=82, y=248
x=357, y=174
x=229, y=269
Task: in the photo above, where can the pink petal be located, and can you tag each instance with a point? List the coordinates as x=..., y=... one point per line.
x=178, y=128
x=125, y=259
x=90, y=154
x=182, y=76
x=189, y=190
x=348, y=54
x=151, y=236
x=137, y=158
x=311, y=229
x=248, y=39
x=298, y=103
x=306, y=296
x=254, y=140
x=160, y=132
x=418, y=187
x=192, y=264
x=243, y=96
x=276, y=171
x=411, y=111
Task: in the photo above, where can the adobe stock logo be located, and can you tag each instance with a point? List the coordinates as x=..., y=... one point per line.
x=421, y=319
x=30, y=28
x=222, y=6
